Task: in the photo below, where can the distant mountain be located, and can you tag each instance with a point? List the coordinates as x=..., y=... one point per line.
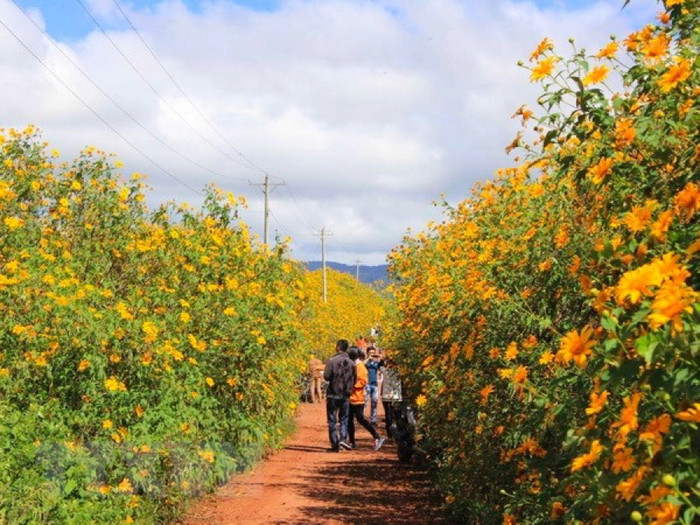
x=368, y=274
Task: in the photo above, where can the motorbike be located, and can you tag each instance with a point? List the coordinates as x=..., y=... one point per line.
x=403, y=429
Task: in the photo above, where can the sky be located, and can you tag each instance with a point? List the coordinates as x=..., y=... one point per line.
x=367, y=110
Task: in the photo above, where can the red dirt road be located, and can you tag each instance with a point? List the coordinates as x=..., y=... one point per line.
x=304, y=483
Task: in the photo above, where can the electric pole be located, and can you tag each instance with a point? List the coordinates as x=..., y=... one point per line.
x=357, y=270
x=324, y=233
x=267, y=189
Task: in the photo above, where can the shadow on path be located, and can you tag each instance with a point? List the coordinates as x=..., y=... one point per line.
x=381, y=490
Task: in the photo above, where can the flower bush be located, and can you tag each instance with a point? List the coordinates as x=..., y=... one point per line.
x=351, y=309
x=144, y=356
x=549, y=326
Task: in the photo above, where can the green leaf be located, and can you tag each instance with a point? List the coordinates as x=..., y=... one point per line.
x=645, y=347
x=70, y=486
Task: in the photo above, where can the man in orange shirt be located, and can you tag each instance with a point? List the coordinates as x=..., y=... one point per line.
x=357, y=402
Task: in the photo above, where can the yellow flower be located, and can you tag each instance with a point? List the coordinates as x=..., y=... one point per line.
x=520, y=374
x=545, y=45
x=597, y=402
x=206, y=455
x=421, y=400
x=13, y=222
x=197, y=345
x=504, y=373
x=185, y=317
x=656, y=48
x=601, y=170
x=677, y=73
x=577, y=346
x=628, y=415
x=638, y=217
x=596, y=75
x=546, y=358
x=150, y=331
x=107, y=423
x=589, y=458
x=543, y=68
x=125, y=486
x=691, y=415
x=83, y=365
x=623, y=460
x=687, y=202
x=636, y=283
x=485, y=392
x=654, y=430
x=512, y=351
x=114, y=385
x=209, y=381
x=608, y=51
x=671, y=301
x=664, y=513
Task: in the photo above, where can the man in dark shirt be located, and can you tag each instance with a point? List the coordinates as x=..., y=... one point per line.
x=341, y=375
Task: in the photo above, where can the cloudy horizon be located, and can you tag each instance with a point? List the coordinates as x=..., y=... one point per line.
x=369, y=110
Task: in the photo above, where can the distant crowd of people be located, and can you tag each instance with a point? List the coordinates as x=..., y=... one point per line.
x=357, y=377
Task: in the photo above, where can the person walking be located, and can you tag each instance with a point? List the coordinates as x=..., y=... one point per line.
x=357, y=402
x=315, y=378
x=373, y=365
x=341, y=376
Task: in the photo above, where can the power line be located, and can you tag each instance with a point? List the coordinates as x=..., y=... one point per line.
x=157, y=93
x=301, y=212
x=182, y=91
x=115, y=103
x=94, y=112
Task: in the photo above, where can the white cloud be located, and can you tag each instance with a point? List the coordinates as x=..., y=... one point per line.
x=369, y=110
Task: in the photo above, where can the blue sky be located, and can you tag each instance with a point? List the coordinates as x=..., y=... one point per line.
x=66, y=21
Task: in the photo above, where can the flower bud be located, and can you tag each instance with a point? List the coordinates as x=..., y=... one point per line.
x=571, y=40
x=669, y=480
x=636, y=516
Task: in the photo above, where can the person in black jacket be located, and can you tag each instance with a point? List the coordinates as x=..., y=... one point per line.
x=341, y=375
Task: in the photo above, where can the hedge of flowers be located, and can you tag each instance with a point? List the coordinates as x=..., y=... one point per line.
x=550, y=325
x=351, y=309
x=144, y=355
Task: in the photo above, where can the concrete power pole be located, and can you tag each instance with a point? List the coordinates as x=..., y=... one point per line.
x=357, y=270
x=324, y=233
x=267, y=189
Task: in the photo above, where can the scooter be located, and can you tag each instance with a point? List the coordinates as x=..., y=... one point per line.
x=403, y=429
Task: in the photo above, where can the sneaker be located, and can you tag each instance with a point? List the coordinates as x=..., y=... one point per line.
x=353, y=446
x=345, y=445
x=378, y=443
x=333, y=449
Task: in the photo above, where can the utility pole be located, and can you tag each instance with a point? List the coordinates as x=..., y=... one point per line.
x=357, y=270
x=267, y=189
x=324, y=233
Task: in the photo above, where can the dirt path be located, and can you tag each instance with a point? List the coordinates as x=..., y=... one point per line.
x=304, y=483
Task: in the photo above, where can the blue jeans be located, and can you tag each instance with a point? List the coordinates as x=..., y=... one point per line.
x=372, y=395
x=337, y=411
